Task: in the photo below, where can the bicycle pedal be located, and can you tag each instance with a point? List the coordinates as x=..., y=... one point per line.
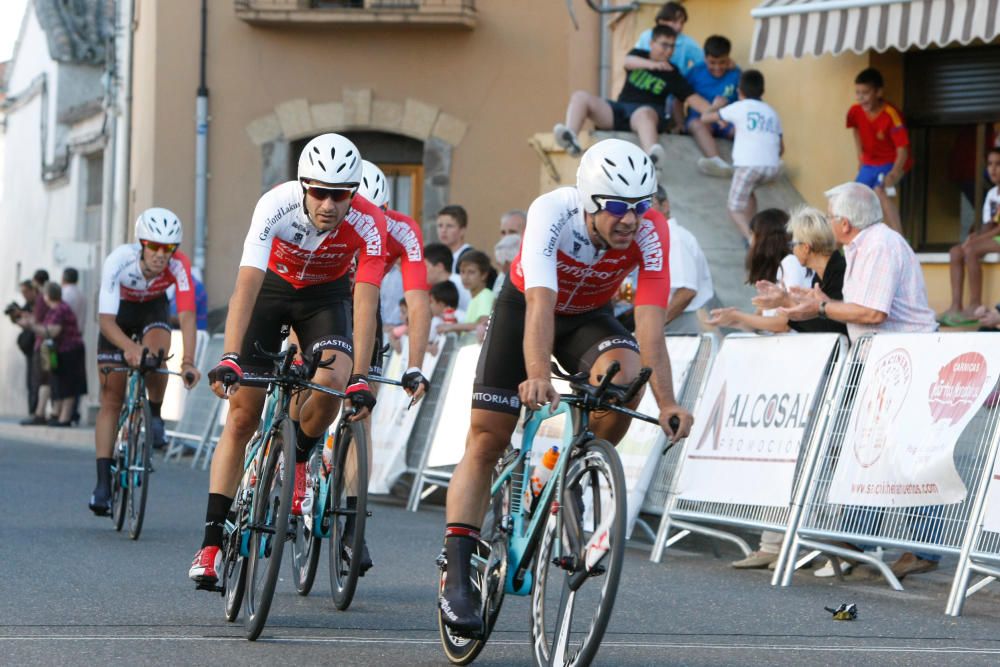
x=212, y=588
x=568, y=563
x=597, y=571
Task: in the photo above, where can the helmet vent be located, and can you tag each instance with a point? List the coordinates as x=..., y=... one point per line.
x=333, y=153
x=607, y=173
x=630, y=162
x=321, y=165
x=622, y=179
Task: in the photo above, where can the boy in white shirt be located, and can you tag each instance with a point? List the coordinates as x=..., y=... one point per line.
x=757, y=147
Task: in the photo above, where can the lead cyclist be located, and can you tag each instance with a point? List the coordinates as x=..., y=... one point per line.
x=579, y=245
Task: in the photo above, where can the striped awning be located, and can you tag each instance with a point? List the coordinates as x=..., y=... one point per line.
x=793, y=28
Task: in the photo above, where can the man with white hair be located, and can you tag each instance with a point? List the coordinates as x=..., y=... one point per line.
x=504, y=253
x=512, y=222
x=883, y=286
x=883, y=291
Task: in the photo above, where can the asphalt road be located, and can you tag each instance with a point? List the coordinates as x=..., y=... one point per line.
x=72, y=591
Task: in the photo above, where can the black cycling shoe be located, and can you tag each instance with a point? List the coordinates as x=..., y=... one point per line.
x=366, y=558
x=460, y=610
x=100, y=501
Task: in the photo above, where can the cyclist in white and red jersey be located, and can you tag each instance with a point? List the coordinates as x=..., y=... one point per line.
x=133, y=302
x=579, y=244
x=304, y=237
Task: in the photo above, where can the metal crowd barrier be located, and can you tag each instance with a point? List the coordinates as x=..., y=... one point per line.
x=822, y=523
x=690, y=516
x=200, y=406
x=659, y=486
x=981, y=547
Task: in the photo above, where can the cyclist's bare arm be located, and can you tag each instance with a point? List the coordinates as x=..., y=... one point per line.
x=189, y=334
x=365, y=305
x=649, y=323
x=248, y=282
x=419, y=309
x=539, y=333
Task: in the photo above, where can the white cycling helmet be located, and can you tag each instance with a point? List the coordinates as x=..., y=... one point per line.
x=332, y=159
x=159, y=225
x=373, y=185
x=614, y=168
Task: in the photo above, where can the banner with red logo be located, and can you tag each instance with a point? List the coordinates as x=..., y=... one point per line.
x=916, y=395
x=751, y=419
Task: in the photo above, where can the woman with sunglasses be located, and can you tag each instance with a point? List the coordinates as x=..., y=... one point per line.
x=579, y=245
x=296, y=270
x=133, y=302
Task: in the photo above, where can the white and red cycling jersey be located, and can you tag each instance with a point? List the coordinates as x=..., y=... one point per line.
x=283, y=240
x=122, y=280
x=556, y=252
x=405, y=242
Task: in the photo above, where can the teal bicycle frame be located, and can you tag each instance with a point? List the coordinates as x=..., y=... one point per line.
x=135, y=385
x=525, y=529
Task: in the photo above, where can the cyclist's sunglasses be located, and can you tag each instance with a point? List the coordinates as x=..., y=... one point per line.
x=153, y=246
x=619, y=207
x=337, y=194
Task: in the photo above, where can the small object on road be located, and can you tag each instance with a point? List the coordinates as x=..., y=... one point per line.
x=845, y=612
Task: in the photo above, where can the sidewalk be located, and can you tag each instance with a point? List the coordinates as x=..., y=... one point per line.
x=78, y=437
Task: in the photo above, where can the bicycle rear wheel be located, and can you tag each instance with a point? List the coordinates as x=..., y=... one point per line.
x=119, y=488
x=269, y=510
x=349, y=440
x=307, y=542
x=489, y=575
x=572, y=601
x=140, y=451
x=234, y=570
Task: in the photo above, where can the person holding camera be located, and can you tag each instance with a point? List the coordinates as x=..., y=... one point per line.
x=60, y=353
x=26, y=343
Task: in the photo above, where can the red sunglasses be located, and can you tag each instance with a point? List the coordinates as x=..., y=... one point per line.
x=153, y=246
x=337, y=194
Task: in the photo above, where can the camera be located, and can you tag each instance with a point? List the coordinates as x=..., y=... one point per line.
x=12, y=309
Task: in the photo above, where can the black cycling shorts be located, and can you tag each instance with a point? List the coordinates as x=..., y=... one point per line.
x=135, y=318
x=579, y=341
x=320, y=315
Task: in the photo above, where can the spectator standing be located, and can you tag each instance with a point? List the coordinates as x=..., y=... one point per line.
x=504, y=253
x=68, y=373
x=716, y=79
x=41, y=375
x=768, y=259
x=691, y=286
x=452, y=221
x=513, y=222
x=439, y=261
x=26, y=343
x=882, y=142
x=444, y=307
x=641, y=104
x=474, y=268
x=884, y=291
x=686, y=53
x=72, y=295
x=965, y=258
x=757, y=147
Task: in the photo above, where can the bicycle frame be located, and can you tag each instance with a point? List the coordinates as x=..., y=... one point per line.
x=524, y=533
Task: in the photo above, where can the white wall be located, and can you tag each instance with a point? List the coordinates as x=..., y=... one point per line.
x=36, y=217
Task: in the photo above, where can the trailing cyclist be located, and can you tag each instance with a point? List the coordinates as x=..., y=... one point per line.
x=579, y=245
x=133, y=302
x=405, y=244
x=297, y=257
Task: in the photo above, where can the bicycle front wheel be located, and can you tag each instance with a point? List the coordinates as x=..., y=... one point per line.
x=269, y=510
x=307, y=542
x=140, y=451
x=346, y=548
x=574, y=591
x=119, y=474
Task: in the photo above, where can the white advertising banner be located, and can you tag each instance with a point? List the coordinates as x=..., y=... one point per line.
x=916, y=395
x=448, y=443
x=991, y=517
x=751, y=419
x=393, y=420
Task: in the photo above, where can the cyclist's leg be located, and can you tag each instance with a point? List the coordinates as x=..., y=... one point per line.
x=591, y=342
x=156, y=337
x=495, y=408
x=111, y=398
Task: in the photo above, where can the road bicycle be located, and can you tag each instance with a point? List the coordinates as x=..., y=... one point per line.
x=565, y=548
x=131, y=462
x=259, y=523
x=330, y=511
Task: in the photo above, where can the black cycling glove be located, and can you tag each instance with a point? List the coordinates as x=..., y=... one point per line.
x=413, y=378
x=359, y=393
x=227, y=371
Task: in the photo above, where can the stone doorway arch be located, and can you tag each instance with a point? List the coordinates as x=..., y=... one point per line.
x=357, y=110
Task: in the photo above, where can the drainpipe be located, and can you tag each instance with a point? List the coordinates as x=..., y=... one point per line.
x=604, y=39
x=123, y=126
x=201, y=154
